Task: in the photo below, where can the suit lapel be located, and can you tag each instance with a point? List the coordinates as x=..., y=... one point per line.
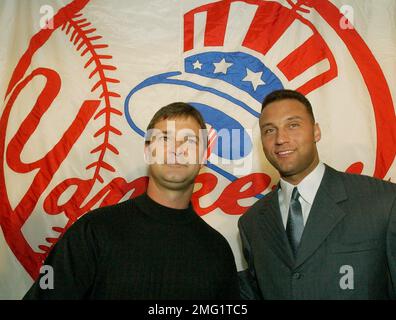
x=271, y=221
x=325, y=214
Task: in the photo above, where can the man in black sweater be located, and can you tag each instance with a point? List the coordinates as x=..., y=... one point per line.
x=154, y=246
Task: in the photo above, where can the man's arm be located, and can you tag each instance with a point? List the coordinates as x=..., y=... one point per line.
x=72, y=262
x=229, y=288
x=391, y=250
x=247, y=278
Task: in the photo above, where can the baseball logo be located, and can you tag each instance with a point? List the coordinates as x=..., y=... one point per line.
x=233, y=54
x=86, y=45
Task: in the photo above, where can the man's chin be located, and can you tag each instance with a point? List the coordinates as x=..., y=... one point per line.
x=286, y=171
x=171, y=164
x=177, y=184
x=282, y=167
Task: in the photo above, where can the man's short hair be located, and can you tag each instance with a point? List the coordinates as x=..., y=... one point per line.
x=178, y=110
x=285, y=94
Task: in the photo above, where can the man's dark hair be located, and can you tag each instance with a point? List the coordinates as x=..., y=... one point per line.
x=284, y=94
x=177, y=110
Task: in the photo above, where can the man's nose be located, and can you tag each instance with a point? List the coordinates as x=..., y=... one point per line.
x=179, y=148
x=281, y=136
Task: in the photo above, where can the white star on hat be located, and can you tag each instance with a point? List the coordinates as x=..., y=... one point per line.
x=197, y=65
x=254, y=78
x=222, y=66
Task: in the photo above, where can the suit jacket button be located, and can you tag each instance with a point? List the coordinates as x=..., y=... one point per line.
x=297, y=275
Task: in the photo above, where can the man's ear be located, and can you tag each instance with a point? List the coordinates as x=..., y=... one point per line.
x=147, y=153
x=204, y=153
x=317, y=133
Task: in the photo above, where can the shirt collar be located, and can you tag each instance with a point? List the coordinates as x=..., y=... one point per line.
x=307, y=187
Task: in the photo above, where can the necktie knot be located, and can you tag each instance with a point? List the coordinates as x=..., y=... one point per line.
x=295, y=194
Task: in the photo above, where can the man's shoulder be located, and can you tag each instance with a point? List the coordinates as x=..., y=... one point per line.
x=210, y=233
x=257, y=208
x=206, y=228
x=362, y=184
x=106, y=216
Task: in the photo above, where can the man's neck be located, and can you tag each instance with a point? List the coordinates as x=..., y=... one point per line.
x=176, y=199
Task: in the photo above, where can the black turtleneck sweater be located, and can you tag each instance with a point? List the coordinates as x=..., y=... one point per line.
x=139, y=249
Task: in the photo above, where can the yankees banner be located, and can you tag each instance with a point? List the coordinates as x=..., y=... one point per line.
x=80, y=80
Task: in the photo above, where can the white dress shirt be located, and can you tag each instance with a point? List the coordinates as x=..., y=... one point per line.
x=307, y=189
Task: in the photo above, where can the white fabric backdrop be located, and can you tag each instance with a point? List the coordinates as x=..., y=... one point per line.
x=77, y=95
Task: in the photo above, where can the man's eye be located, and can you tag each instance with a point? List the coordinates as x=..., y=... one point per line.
x=269, y=130
x=191, y=140
x=162, y=138
x=294, y=125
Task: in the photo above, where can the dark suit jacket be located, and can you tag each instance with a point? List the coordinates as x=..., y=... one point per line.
x=347, y=250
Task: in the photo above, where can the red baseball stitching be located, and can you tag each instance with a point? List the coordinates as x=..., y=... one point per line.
x=82, y=35
x=298, y=5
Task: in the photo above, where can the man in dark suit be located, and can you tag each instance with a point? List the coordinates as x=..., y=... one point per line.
x=321, y=234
